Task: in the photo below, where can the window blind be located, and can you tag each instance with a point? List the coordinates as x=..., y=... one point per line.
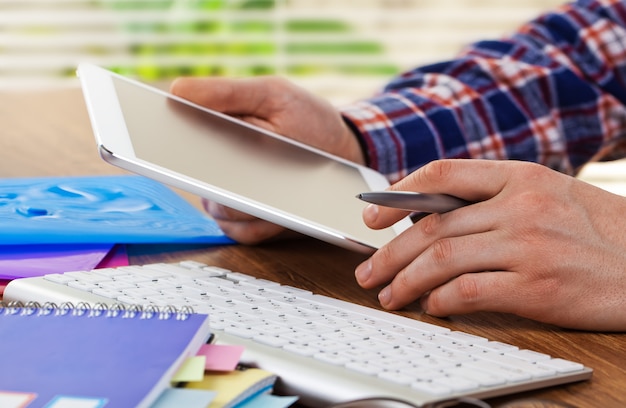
x=339, y=48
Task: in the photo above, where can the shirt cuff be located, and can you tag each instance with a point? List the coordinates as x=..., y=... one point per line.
x=382, y=149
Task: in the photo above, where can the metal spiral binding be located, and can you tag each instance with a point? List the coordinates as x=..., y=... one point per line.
x=32, y=308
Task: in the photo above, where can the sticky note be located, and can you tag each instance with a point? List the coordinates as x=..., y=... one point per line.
x=183, y=397
x=191, y=370
x=221, y=357
x=235, y=386
x=268, y=401
x=69, y=401
x=15, y=399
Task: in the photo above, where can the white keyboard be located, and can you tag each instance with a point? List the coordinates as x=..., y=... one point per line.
x=323, y=349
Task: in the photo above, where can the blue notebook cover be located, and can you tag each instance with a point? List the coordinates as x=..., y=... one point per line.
x=124, y=209
x=93, y=358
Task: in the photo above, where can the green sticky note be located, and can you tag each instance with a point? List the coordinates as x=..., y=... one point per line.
x=191, y=370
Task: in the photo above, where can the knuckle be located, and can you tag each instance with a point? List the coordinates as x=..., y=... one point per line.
x=531, y=199
x=384, y=256
x=544, y=287
x=434, y=303
x=467, y=289
x=528, y=209
x=534, y=171
x=441, y=252
x=403, y=279
x=429, y=225
x=537, y=214
x=435, y=171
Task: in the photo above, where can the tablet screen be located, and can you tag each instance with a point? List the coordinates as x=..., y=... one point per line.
x=248, y=163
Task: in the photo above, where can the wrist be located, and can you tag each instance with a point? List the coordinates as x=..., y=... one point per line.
x=355, y=147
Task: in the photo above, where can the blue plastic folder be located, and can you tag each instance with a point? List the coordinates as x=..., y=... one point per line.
x=124, y=209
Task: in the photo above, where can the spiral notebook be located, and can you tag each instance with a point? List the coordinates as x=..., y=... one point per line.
x=93, y=357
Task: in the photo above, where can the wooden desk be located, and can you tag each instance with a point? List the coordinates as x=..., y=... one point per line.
x=48, y=133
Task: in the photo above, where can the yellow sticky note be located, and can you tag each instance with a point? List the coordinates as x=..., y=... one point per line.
x=235, y=386
x=191, y=370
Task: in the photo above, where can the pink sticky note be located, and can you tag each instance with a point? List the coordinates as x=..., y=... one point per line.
x=221, y=357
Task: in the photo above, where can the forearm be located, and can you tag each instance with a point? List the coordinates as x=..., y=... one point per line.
x=552, y=93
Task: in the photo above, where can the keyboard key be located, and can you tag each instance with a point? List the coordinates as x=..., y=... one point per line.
x=240, y=331
x=108, y=293
x=59, y=278
x=270, y=340
x=300, y=349
x=363, y=368
x=86, y=286
x=429, y=387
x=562, y=366
x=396, y=377
x=528, y=355
x=456, y=383
x=511, y=374
x=464, y=338
x=496, y=346
x=86, y=277
x=117, y=285
x=332, y=358
x=192, y=264
x=482, y=377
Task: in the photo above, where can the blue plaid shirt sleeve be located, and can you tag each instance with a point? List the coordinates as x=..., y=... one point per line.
x=553, y=92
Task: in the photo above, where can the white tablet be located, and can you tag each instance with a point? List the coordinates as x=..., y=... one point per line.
x=158, y=135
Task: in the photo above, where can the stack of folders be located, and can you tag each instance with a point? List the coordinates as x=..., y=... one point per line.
x=114, y=356
x=59, y=224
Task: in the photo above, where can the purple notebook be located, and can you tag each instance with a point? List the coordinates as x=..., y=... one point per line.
x=107, y=358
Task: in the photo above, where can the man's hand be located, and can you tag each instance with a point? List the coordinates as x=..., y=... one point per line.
x=536, y=243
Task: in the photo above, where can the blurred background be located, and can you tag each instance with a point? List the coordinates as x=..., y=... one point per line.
x=340, y=49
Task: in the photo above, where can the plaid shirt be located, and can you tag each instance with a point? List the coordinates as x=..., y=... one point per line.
x=554, y=92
